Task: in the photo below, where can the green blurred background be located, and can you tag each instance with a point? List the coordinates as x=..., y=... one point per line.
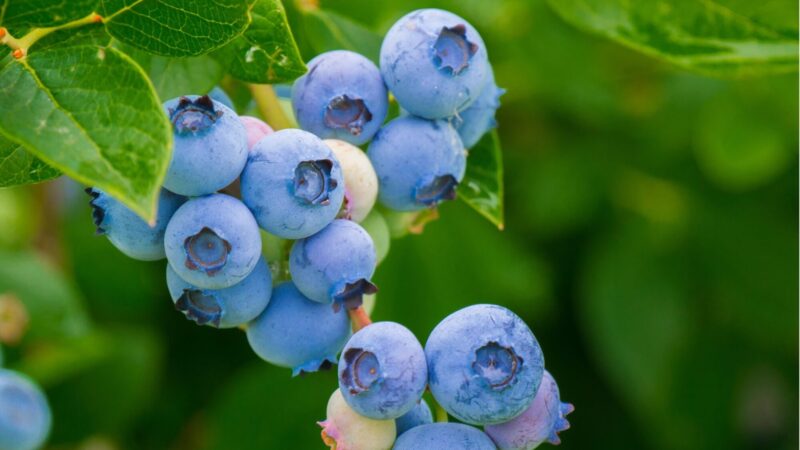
x=651, y=244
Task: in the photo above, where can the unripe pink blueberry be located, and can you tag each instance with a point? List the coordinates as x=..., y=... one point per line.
x=256, y=129
x=360, y=180
x=344, y=429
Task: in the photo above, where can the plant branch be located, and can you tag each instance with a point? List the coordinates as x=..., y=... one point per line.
x=269, y=106
x=359, y=318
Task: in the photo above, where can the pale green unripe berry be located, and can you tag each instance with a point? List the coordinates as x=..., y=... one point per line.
x=360, y=180
x=344, y=429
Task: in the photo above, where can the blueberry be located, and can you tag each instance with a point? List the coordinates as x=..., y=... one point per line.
x=220, y=96
x=434, y=62
x=213, y=242
x=256, y=129
x=25, y=416
x=223, y=308
x=335, y=265
x=484, y=364
x=209, y=147
x=420, y=414
x=360, y=180
x=293, y=184
x=127, y=231
x=541, y=422
x=475, y=121
x=298, y=333
x=344, y=429
x=342, y=96
x=419, y=163
x=444, y=436
x=383, y=372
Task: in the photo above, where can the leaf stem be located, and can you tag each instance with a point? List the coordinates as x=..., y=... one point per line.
x=269, y=106
x=21, y=45
x=439, y=414
x=359, y=318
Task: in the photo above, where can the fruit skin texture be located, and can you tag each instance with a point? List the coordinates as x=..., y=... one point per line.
x=360, y=180
x=434, y=62
x=256, y=129
x=335, y=265
x=383, y=372
x=298, y=333
x=209, y=148
x=484, y=364
x=475, y=121
x=541, y=422
x=342, y=96
x=420, y=414
x=344, y=429
x=127, y=231
x=293, y=184
x=25, y=417
x=444, y=436
x=419, y=163
x=223, y=308
x=212, y=242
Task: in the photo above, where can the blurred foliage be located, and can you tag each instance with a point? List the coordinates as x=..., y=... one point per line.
x=651, y=244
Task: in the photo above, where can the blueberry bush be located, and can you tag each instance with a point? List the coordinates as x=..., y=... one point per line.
x=321, y=185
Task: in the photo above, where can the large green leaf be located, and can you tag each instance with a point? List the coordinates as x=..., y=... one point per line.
x=90, y=112
x=722, y=37
x=173, y=77
x=175, y=27
x=482, y=187
x=43, y=13
x=266, y=52
x=20, y=167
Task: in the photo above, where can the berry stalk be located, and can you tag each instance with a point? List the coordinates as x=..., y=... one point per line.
x=359, y=318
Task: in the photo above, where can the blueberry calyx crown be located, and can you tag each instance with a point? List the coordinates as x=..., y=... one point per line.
x=98, y=213
x=561, y=423
x=347, y=113
x=362, y=370
x=200, y=308
x=194, y=116
x=206, y=251
x=313, y=183
x=496, y=364
x=351, y=295
x=452, y=51
x=441, y=188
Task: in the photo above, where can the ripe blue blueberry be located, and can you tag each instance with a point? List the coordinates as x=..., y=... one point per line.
x=220, y=96
x=126, y=230
x=335, y=265
x=293, y=184
x=420, y=414
x=475, y=121
x=484, y=364
x=419, y=163
x=541, y=422
x=209, y=148
x=213, y=242
x=298, y=333
x=444, y=436
x=25, y=416
x=342, y=96
x=434, y=62
x=383, y=372
x=223, y=308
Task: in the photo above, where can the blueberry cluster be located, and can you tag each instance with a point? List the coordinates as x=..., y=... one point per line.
x=25, y=416
x=234, y=183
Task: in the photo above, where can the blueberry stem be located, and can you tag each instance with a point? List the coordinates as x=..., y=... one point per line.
x=269, y=106
x=359, y=318
x=439, y=414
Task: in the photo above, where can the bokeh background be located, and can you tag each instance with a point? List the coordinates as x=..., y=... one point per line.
x=651, y=244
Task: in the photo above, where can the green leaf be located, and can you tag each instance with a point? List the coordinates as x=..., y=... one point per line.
x=20, y=167
x=92, y=34
x=173, y=77
x=482, y=186
x=175, y=27
x=266, y=53
x=17, y=14
x=54, y=308
x=326, y=30
x=90, y=112
x=719, y=37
